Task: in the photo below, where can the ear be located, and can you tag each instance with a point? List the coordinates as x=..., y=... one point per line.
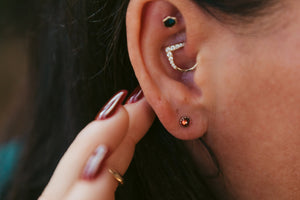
x=171, y=93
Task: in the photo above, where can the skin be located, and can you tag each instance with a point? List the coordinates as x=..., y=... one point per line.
x=119, y=134
x=243, y=99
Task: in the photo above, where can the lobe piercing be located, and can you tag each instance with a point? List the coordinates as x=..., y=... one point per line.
x=184, y=122
x=170, y=21
x=169, y=53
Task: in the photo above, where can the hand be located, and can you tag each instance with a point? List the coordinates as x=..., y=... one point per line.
x=84, y=174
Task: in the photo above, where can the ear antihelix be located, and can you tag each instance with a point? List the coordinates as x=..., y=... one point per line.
x=169, y=22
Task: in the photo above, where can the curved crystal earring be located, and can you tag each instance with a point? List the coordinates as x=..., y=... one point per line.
x=169, y=53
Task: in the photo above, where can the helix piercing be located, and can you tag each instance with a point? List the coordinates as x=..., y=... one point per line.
x=185, y=122
x=170, y=21
x=169, y=53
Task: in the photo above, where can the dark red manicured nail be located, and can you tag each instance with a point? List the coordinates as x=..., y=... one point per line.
x=93, y=165
x=110, y=108
x=135, y=96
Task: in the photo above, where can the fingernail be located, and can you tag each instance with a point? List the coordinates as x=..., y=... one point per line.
x=135, y=96
x=110, y=108
x=93, y=165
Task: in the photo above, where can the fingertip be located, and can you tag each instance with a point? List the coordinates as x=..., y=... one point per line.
x=112, y=105
x=94, y=163
x=141, y=117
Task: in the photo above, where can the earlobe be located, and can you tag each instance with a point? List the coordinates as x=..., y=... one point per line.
x=165, y=71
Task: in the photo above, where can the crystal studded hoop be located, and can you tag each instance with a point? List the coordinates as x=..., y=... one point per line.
x=169, y=53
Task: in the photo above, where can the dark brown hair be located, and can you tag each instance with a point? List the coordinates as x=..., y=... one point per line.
x=79, y=59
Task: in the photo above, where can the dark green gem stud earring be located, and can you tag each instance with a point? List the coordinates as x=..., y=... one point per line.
x=169, y=21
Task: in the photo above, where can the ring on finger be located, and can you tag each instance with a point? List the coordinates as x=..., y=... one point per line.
x=117, y=176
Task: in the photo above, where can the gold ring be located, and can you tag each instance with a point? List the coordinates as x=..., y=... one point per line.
x=116, y=176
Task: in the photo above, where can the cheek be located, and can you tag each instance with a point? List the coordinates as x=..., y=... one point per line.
x=255, y=127
x=257, y=92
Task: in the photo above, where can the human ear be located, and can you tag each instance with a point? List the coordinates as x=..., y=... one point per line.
x=173, y=94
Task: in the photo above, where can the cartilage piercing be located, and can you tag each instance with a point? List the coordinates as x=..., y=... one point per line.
x=170, y=21
x=169, y=53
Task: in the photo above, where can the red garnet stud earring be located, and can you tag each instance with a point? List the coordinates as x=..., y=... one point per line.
x=184, y=122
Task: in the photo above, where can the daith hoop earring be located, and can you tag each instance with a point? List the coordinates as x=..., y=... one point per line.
x=169, y=53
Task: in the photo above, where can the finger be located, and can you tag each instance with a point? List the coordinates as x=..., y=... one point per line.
x=122, y=156
x=141, y=117
x=109, y=132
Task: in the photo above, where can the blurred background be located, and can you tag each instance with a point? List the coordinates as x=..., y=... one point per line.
x=16, y=19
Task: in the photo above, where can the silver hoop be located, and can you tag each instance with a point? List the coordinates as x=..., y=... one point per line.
x=169, y=53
